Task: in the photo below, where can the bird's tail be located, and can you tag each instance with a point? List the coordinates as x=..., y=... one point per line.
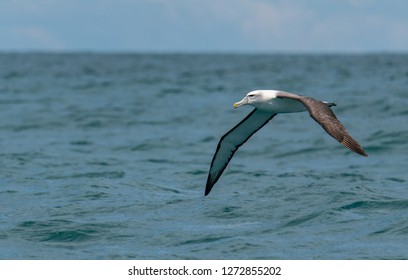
x=330, y=104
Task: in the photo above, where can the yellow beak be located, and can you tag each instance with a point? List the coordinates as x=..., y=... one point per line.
x=241, y=103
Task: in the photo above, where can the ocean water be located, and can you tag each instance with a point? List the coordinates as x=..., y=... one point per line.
x=105, y=156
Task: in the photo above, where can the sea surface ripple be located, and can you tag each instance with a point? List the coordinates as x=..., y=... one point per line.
x=105, y=156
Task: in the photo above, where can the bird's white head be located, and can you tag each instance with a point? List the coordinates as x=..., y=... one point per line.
x=255, y=97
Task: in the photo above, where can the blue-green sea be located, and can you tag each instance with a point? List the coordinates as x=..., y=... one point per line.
x=105, y=156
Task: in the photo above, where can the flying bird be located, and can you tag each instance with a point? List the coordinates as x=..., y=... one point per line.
x=269, y=103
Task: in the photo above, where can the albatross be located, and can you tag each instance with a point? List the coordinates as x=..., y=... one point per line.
x=269, y=103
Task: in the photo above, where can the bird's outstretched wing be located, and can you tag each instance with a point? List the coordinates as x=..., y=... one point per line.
x=324, y=116
x=232, y=140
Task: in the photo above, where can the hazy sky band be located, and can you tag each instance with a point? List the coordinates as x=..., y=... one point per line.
x=204, y=26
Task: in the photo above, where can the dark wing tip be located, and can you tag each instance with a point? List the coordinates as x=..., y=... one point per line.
x=353, y=145
x=211, y=180
x=208, y=188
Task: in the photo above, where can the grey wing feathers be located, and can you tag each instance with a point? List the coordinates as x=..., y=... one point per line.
x=231, y=141
x=323, y=115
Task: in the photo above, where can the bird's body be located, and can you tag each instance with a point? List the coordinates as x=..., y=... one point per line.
x=269, y=103
x=281, y=106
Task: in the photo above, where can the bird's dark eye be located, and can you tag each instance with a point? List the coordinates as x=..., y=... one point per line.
x=250, y=95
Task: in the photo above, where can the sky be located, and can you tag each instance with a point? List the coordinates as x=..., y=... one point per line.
x=254, y=26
